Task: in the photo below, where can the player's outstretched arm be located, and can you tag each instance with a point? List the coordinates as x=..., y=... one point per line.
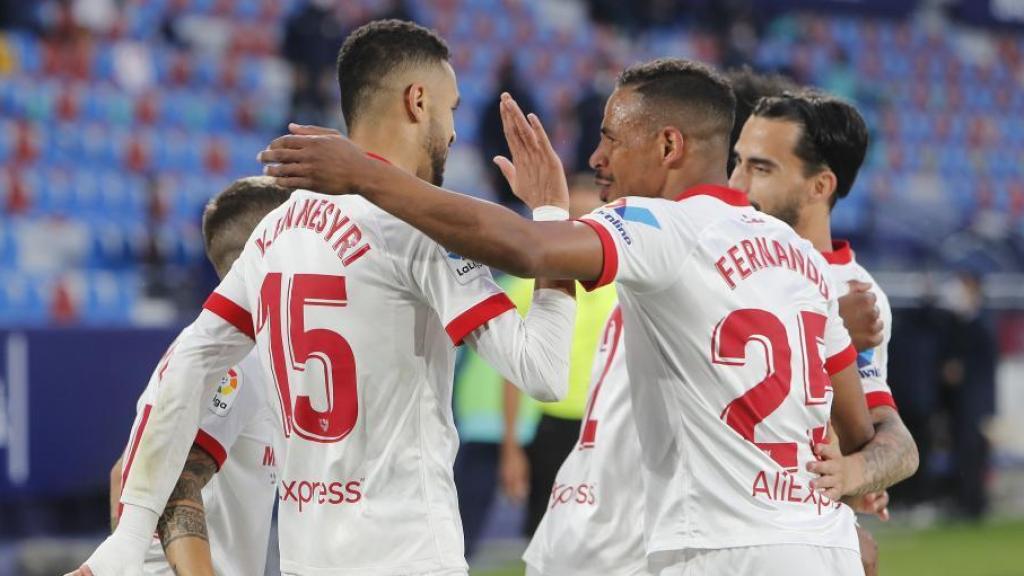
x=202, y=353
x=182, y=526
x=476, y=229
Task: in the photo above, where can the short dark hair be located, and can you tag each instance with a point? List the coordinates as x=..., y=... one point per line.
x=833, y=134
x=239, y=208
x=749, y=87
x=374, y=50
x=704, y=93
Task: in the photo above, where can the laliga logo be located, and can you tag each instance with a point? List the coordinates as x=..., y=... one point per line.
x=226, y=393
x=229, y=383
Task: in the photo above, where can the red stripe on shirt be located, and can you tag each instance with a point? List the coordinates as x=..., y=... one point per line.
x=839, y=362
x=477, y=316
x=231, y=313
x=211, y=446
x=876, y=399
x=610, y=264
x=131, y=452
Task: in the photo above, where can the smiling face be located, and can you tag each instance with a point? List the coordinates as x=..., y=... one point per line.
x=628, y=160
x=768, y=169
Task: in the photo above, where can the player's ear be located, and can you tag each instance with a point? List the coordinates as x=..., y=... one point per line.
x=415, y=101
x=673, y=146
x=825, y=183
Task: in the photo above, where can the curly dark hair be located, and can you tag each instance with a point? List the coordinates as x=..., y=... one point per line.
x=749, y=87
x=371, y=52
x=691, y=95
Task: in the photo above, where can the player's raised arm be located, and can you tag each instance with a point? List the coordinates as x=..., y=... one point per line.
x=476, y=229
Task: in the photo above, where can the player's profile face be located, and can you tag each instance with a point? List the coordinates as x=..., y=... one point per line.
x=768, y=170
x=626, y=161
x=440, y=123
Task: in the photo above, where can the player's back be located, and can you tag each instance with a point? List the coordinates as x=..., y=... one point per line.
x=356, y=322
x=729, y=320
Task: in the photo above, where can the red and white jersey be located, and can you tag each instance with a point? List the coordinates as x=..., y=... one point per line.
x=872, y=364
x=356, y=316
x=732, y=329
x=241, y=432
x=594, y=520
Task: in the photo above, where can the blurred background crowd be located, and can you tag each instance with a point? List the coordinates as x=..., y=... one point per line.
x=120, y=118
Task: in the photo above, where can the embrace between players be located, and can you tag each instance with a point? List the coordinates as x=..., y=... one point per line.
x=730, y=414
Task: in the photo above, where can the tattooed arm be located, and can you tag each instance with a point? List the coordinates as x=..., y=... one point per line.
x=892, y=457
x=182, y=527
x=889, y=457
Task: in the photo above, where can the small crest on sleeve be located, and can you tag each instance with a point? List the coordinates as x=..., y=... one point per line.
x=463, y=269
x=227, y=391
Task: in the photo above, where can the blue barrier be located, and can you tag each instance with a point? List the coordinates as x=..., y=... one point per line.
x=67, y=400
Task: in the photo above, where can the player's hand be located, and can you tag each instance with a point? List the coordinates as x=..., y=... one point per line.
x=514, y=471
x=535, y=172
x=316, y=158
x=861, y=316
x=874, y=503
x=838, y=475
x=118, y=555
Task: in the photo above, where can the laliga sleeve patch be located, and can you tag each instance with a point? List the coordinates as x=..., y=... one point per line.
x=463, y=269
x=227, y=391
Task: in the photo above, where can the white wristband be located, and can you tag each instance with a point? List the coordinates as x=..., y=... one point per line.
x=137, y=522
x=548, y=213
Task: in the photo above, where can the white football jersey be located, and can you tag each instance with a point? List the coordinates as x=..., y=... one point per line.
x=732, y=329
x=594, y=520
x=239, y=430
x=873, y=363
x=355, y=315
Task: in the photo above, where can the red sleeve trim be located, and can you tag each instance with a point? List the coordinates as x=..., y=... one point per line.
x=211, y=446
x=876, y=399
x=610, y=265
x=131, y=452
x=231, y=313
x=477, y=316
x=839, y=362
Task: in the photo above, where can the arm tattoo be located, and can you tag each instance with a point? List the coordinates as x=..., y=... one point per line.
x=892, y=455
x=184, y=515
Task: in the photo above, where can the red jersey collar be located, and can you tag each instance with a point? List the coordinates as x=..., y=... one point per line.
x=727, y=195
x=378, y=157
x=841, y=253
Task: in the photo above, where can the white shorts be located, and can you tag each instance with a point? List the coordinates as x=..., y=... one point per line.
x=777, y=560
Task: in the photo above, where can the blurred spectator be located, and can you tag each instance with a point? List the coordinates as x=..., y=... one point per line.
x=590, y=111
x=312, y=38
x=968, y=372
x=492, y=135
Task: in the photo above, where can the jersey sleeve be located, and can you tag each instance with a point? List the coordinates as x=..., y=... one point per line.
x=873, y=364
x=237, y=400
x=219, y=337
x=461, y=291
x=839, y=350
x=636, y=244
x=230, y=301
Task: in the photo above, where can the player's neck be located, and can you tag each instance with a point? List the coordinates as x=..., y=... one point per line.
x=817, y=230
x=384, y=143
x=678, y=182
